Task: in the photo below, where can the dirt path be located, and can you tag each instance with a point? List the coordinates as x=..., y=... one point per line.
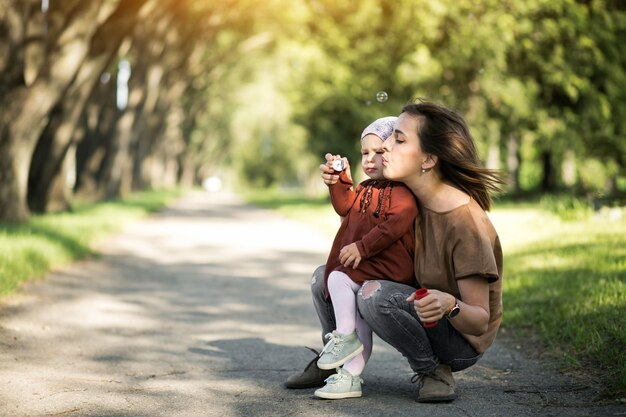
x=203, y=310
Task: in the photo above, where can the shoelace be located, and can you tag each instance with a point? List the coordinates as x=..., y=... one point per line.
x=419, y=378
x=336, y=342
x=335, y=378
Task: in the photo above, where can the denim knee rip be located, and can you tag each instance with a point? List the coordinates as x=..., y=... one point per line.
x=368, y=289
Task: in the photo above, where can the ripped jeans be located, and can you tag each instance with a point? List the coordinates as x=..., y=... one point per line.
x=383, y=305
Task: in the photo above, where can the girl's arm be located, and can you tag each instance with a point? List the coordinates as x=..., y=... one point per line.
x=340, y=185
x=342, y=196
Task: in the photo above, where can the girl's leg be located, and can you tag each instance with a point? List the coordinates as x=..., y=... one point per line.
x=356, y=365
x=344, y=343
x=342, y=293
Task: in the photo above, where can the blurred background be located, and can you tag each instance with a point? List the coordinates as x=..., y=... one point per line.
x=101, y=98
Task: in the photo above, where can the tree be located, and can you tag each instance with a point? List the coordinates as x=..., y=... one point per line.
x=56, y=140
x=572, y=50
x=68, y=37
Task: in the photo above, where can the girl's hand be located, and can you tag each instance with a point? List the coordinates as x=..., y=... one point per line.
x=329, y=175
x=349, y=255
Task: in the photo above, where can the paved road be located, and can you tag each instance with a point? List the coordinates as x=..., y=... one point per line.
x=204, y=310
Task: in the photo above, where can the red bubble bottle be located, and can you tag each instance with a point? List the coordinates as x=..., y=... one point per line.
x=419, y=294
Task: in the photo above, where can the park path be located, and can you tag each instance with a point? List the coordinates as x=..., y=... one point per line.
x=204, y=310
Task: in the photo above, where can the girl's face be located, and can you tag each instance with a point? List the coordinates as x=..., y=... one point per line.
x=371, y=156
x=403, y=155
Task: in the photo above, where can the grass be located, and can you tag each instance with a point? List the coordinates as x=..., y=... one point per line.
x=31, y=249
x=564, y=278
x=565, y=283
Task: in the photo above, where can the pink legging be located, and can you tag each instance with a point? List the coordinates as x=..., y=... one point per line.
x=343, y=295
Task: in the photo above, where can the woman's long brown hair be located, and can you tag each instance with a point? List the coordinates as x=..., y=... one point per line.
x=444, y=133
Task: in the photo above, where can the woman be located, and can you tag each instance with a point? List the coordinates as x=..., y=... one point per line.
x=458, y=257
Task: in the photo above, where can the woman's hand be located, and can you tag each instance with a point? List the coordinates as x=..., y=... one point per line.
x=473, y=318
x=329, y=175
x=433, y=307
x=349, y=255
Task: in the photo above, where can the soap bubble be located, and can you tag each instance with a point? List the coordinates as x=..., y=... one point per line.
x=382, y=96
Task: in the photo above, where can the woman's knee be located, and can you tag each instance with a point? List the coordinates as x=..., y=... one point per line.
x=368, y=300
x=369, y=289
x=317, y=281
x=378, y=296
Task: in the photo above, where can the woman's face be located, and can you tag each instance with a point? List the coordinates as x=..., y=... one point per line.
x=371, y=156
x=403, y=155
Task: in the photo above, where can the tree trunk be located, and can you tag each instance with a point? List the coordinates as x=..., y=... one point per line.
x=568, y=169
x=104, y=46
x=159, y=132
x=610, y=187
x=145, y=136
x=145, y=167
x=513, y=163
x=548, y=180
x=493, y=153
x=115, y=175
x=98, y=123
x=16, y=147
x=42, y=156
x=173, y=142
x=27, y=107
x=60, y=194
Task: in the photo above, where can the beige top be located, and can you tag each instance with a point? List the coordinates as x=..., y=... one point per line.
x=458, y=244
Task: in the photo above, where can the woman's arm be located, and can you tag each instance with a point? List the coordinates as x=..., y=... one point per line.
x=473, y=317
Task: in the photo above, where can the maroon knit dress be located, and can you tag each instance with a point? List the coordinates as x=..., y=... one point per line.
x=380, y=217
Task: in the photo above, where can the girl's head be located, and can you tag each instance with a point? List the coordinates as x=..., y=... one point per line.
x=372, y=140
x=433, y=142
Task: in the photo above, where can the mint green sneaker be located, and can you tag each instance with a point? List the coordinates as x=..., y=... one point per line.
x=339, y=350
x=341, y=385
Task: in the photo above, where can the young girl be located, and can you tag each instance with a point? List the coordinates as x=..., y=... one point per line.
x=375, y=241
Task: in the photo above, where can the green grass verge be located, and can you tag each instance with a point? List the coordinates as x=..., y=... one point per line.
x=31, y=249
x=564, y=282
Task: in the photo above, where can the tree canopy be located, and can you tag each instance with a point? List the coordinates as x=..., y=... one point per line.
x=104, y=97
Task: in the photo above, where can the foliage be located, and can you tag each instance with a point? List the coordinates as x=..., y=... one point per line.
x=567, y=207
x=258, y=91
x=566, y=282
x=543, y=87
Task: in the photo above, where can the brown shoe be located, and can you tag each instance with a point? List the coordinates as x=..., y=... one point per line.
x=311, y=377
x=436, y=386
